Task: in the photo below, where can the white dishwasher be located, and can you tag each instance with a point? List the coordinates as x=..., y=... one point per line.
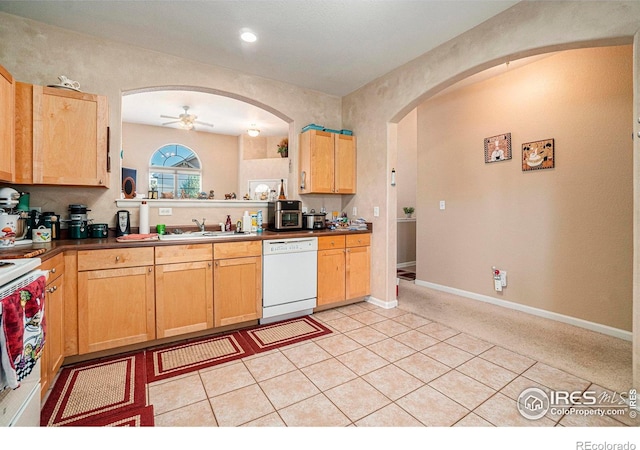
x=289, y=278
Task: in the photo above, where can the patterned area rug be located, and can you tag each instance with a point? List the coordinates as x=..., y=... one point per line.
x=267, y=337
x=139, y=417
x=406, y=275
x=97, y=392
x=187, y=357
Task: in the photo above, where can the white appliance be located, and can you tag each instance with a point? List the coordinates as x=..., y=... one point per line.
x=20, y=406
x=289, y=278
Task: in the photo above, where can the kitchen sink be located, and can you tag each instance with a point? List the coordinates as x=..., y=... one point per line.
x=195, y=235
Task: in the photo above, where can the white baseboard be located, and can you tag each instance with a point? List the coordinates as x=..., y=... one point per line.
x=604, y=329
x=382, y=303
x=405, y=264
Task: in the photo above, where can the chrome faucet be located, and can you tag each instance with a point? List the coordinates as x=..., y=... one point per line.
x=200, y=225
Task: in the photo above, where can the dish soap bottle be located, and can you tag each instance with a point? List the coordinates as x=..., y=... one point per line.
x=227, y=226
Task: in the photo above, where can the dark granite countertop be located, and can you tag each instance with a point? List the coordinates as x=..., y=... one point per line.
x=58, y=246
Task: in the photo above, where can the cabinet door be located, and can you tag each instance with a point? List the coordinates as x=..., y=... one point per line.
x=317, y=162
x=69, y=138
x=237, y=290
x=358, y=267
x=115, y=308
x=184, y=298
x=54, y=344
x=7, y=147
x=345, y=164
x=331, y=276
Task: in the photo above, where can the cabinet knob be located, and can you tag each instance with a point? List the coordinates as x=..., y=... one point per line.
x=52, y=289
x=53, y=270
x=117, y=258
x=99, y=181
x=209, y=264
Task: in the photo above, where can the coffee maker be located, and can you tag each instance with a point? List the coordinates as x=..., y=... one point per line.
x=123, y=223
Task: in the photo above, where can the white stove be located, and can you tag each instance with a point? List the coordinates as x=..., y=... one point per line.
x=11, y=269
x=19, y=406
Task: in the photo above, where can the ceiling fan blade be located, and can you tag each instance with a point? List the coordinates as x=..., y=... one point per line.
x=168, y=123
x=168, y=117
x=203, y=123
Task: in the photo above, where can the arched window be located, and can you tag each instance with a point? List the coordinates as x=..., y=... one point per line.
x=175, y=172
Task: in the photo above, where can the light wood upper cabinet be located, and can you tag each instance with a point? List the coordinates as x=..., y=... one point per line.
x=7, y=146
x=61, y=137
x=184, y=289
x=327, y=163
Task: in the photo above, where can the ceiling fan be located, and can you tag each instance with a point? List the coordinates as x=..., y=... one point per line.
x=186, y=120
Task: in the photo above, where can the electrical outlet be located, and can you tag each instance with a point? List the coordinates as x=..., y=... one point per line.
x=376, y=211
x=442, y=204
x=355, y=212
x=165, y=211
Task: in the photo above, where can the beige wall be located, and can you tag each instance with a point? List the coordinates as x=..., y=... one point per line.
x=109, y=68
x=373, y=111
x=564, y=235
x=407, y=167
x=218, y=154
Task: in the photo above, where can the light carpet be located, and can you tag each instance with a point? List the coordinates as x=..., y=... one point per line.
x=593, y=356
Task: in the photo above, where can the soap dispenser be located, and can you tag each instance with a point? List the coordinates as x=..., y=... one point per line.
x=227, y=225
x=246, y=222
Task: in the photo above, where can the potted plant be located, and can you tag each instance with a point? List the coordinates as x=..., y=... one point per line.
x=408, y=210
x=283, y=147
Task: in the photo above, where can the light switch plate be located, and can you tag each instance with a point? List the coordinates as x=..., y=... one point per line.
x=442, y=204
x=165, y=211
x=376, y=211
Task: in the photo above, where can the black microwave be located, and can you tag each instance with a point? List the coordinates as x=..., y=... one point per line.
x=284, y=215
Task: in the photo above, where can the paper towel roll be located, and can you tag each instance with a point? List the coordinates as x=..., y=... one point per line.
x=144, y=218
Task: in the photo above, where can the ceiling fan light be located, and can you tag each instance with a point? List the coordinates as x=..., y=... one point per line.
x=253, y=132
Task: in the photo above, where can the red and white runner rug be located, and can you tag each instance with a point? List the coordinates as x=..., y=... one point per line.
x=96, y=390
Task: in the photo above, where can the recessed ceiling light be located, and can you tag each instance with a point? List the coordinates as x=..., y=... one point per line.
x=248, y=36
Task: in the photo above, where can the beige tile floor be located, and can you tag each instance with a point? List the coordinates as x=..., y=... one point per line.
x=381, y=368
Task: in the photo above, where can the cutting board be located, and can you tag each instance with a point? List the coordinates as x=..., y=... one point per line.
x=23, y=253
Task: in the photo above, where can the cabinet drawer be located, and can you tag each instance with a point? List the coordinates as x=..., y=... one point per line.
x=184, y=253
x=55, y=266
x=237, y=249
x=114, y=258
x=358, y=240
x=329, y=242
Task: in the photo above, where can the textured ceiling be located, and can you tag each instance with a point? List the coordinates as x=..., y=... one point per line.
x=332, y=46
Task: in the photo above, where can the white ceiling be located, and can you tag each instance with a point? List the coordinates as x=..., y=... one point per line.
x=332, y=46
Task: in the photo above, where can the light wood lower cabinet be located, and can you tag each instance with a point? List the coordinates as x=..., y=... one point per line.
x=358, y=266
x=115, y=298
x=54, y=313
x=331, y=270
x=237, y=285
x=344, y=264
x=184, y=289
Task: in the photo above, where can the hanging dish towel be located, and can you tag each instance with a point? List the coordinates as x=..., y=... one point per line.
x=22, y=332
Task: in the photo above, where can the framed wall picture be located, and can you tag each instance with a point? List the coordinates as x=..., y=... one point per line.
x=497, y=148
x=538, y=155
